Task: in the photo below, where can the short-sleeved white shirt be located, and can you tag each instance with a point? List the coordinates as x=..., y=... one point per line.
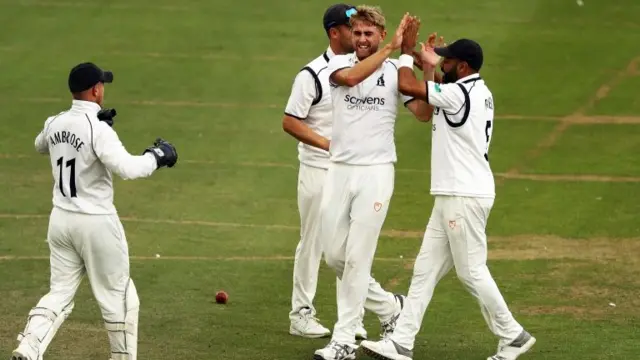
x=310, y=101
x=462, y=129
x=84, y=152
x=364, y=115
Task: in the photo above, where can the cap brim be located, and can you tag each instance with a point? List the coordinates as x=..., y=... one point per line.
x=444, y=52
x=107, y=77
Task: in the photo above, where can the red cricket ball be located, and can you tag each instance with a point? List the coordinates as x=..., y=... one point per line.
x=222, y=297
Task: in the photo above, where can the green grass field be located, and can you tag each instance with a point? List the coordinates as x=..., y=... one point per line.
x=213, y=77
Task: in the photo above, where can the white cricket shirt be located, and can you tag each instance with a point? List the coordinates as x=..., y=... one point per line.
x=364, y=115
x=84, y=152
x=310, y=101
x=462, y=128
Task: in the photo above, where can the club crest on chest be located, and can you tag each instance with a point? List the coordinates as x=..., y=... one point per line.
x=377, y=206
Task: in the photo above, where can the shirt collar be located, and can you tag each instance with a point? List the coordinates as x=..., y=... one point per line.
x=85, y=106
x=355, y=57
x=328, y=54
x=470, y=78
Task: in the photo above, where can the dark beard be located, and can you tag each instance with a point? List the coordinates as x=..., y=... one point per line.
x=451, y=76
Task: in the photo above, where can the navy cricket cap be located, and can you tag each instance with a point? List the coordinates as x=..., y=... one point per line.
x=84, y=76
x=337, y=14
x=464, y=50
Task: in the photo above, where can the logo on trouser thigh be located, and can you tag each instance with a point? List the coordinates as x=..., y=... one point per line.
x=452, y=224
x=377, y=206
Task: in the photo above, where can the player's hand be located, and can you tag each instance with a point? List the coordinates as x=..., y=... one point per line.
x=410, y=36
x=434, y=41
x=107, y=116
x=164, y=152
x=396, y=41
x=427, y=54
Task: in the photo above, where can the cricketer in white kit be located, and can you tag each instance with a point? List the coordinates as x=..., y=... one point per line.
x=464, y=190
x=85, y=234
x=308, y=118
x=360, y=179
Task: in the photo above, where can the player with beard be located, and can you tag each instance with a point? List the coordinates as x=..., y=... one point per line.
x=464, y=190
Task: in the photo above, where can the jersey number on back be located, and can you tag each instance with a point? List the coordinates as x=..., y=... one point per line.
x=72, y=175
x=487, y=132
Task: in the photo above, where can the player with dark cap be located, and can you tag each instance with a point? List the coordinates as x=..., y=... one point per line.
x=464, y=190
x=85, y=235
x=308, y=119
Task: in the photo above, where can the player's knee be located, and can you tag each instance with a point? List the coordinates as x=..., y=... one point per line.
x=334, y=260
x=131, y=296
x=61, y=294
x=472, y=276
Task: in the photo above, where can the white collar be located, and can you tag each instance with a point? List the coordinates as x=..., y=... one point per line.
x=328, y=54
x=469, y=78
x=85, y=106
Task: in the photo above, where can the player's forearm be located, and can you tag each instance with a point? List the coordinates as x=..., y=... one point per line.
x=409, y=85
x=429, y=74
x=424, y=111
x=363, y=69
x=130, y=167
x=303, y=133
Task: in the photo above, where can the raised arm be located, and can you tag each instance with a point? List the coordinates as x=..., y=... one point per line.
x=344, y=75
x=418, y=106
x=408, y=84
x=116, y=158
x=352, y=76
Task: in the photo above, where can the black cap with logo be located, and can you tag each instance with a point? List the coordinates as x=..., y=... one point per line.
x=84, y=76
x=465, y=50
x=337, y=14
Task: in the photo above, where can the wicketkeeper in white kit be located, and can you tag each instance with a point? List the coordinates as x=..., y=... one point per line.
x=464, y=190
x=85, y=234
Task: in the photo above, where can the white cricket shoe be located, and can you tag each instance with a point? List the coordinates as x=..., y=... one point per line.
x=389, y=326
x=306, y=325
x=361, y=332
x=517, y=347
x=336, y=351
x=385, y=349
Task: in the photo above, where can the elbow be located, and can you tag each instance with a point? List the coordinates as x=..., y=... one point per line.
x=288, y=124
x=42, y=149
x=402, y=88
x=406, y=88
x=424, y=118
x=351, y=82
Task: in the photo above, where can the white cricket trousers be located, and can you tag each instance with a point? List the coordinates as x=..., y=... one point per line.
x=95, y=245
x=309, y=250
x=354, y=206
x=455, y=236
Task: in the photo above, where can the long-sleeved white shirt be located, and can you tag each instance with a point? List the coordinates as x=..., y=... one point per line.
x=84, y=152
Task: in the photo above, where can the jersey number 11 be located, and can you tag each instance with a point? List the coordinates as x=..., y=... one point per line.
x=72, y=176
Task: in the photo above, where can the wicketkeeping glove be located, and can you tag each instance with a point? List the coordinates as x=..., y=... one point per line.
x=107, y=116
x=165, y=153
